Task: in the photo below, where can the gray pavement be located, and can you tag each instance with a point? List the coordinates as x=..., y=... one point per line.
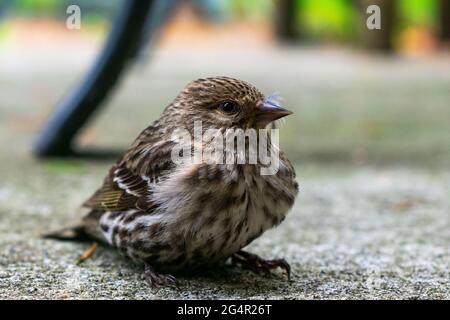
x=372, y=219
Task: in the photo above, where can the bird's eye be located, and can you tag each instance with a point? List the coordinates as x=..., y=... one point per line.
x=228, y=107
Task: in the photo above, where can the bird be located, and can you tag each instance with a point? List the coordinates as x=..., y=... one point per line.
x=172, y=216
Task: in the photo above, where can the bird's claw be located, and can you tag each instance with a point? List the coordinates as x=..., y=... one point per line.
x=158, y=280
x=258, y=265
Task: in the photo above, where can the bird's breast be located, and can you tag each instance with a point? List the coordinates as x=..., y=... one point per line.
x=204, y=214
x=217, y=209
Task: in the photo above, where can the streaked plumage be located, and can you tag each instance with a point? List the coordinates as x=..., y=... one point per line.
x=175, y=217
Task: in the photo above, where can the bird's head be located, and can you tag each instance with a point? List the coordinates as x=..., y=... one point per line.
x=224, y=102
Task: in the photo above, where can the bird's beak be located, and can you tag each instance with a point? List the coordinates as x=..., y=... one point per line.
x=269, y=112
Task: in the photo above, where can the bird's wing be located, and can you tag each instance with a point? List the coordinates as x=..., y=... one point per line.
x=128, y=184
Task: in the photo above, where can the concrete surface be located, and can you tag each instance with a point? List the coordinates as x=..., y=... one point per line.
x=352, y=235
x=359, y=229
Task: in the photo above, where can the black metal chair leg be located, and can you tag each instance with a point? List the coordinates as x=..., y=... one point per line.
x=73, y=112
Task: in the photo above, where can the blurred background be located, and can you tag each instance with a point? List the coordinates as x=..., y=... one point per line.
x=359, y=96
x=371, y=122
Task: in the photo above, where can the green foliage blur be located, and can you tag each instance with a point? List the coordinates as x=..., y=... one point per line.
x=418, y=12
x=36, y=6
x=93, y=10
x=336, y=19
x=317, y=20
x=327, y=18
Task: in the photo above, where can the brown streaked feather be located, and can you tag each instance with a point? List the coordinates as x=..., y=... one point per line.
x=128, y=184
x=111, y=197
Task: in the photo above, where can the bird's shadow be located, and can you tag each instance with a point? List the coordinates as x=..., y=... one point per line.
x=98, y=154
x=89, y=154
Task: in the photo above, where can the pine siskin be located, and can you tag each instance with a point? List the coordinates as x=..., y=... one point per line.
x=177, y=216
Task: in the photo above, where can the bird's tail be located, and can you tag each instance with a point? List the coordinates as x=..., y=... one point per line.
x=87, y=230
x=74, y=233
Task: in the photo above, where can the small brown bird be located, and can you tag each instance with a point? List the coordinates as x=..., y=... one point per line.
x=177, y=216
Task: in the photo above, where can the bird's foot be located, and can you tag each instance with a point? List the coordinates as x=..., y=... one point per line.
x=158, y=280
x=259, y=265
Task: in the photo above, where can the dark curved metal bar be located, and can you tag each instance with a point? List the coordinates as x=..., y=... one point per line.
x=73, y=112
